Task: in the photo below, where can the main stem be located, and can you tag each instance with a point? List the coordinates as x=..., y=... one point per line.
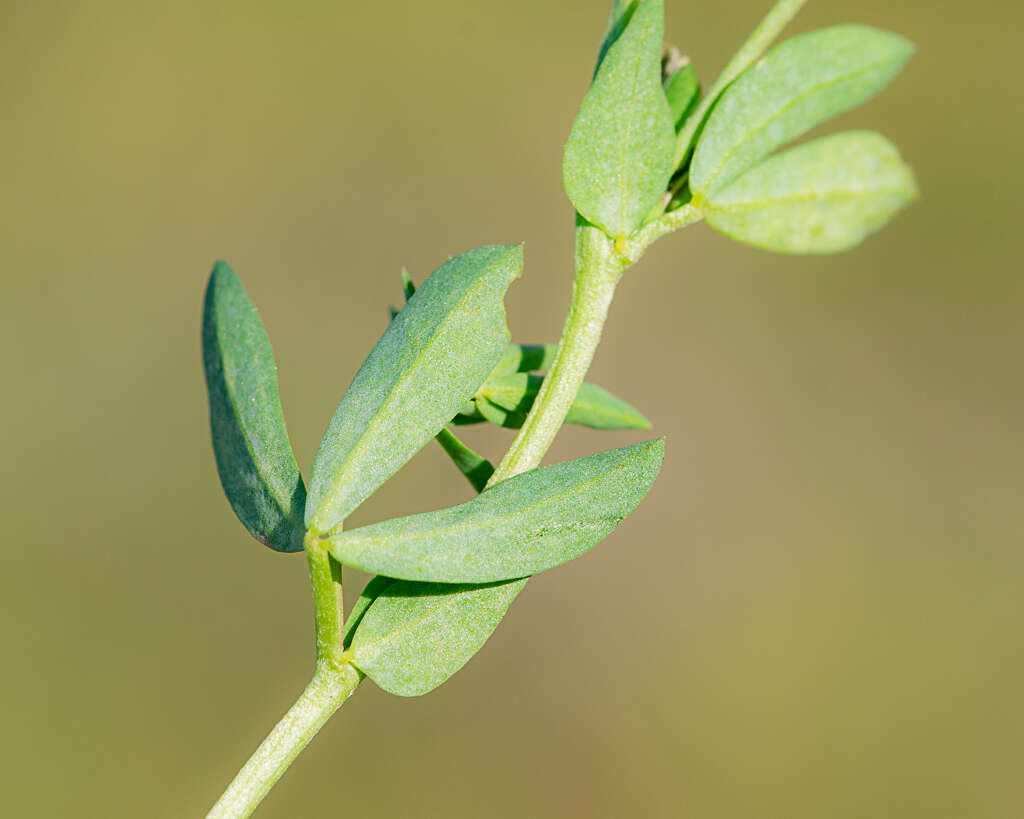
x=598, y=270
x=329, y=688
x=332, y=683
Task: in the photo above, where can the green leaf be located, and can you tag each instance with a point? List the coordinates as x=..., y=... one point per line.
x=523, y=358
x=821, y=197
x=800, y=83
x=426, y=366
x=416, y=635
x=469, y=414
x=681, y=86
x=618, y=159
x=371, y=591
x=408, y=288
x=513, y=395
x=254, y=458
x=524, y=525
x=618, y=19
x=476, y=468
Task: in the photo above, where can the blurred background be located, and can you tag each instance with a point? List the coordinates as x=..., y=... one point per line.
x=815, y=613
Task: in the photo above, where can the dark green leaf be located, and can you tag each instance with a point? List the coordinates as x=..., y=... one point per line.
x=524, y=358
x=416, y=635
x=371, y=591
x=821, y=197
x=426, y=366
x=254, y=458
x=681, y=86
x=618, y=159
x=407, y=286
x=521, y=526
x=469, y=414
x=513, y=396
x=476, y=468
x=800, y=83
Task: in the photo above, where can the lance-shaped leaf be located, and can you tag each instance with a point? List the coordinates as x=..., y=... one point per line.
x=254, y=458
x=511, y=396
x=799, y=84
x=822, y=197
x=416, y=635
x=521, y=526
x=426, y=366
x=681, y=86
x=618, y=159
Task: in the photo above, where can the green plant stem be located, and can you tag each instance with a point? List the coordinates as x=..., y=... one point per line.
x=325, y=576
x=598, y=269
x=328, y=689
x=333, y=681
x=600, y=264
x=757, y=43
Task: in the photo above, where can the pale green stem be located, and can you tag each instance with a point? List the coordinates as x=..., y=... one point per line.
x=757, y=43
x=600, y=263
x=325, y=576
x=329, y=688
x=332, y=683
x=598, y=269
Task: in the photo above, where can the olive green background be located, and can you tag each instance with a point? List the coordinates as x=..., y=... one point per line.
x=817, y=611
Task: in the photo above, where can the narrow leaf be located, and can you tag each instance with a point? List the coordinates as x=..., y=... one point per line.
x=521, y=526
x=426, y=366
x=800, y=83
x=416, y=635
x=476, y=468
x=254, y=458
x=513, y=396
x=618, y=159
x=407, y=286
x=681, y=86
x=821, y=197
x=371, y=591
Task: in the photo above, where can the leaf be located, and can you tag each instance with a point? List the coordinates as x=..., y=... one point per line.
x=681, y=86
x=408, y=288
x=371, y=591
x=254, y=458
x=800, y=83
x=524, y=525
x=426, y=366
x=821, y=197
x=476, y=468
x=618, y=19
x=618, y=159
x=513, y=395
x=526, y=358
x=416, y=635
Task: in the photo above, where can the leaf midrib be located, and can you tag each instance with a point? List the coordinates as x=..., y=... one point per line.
x=840, y=194
x=440, y=530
